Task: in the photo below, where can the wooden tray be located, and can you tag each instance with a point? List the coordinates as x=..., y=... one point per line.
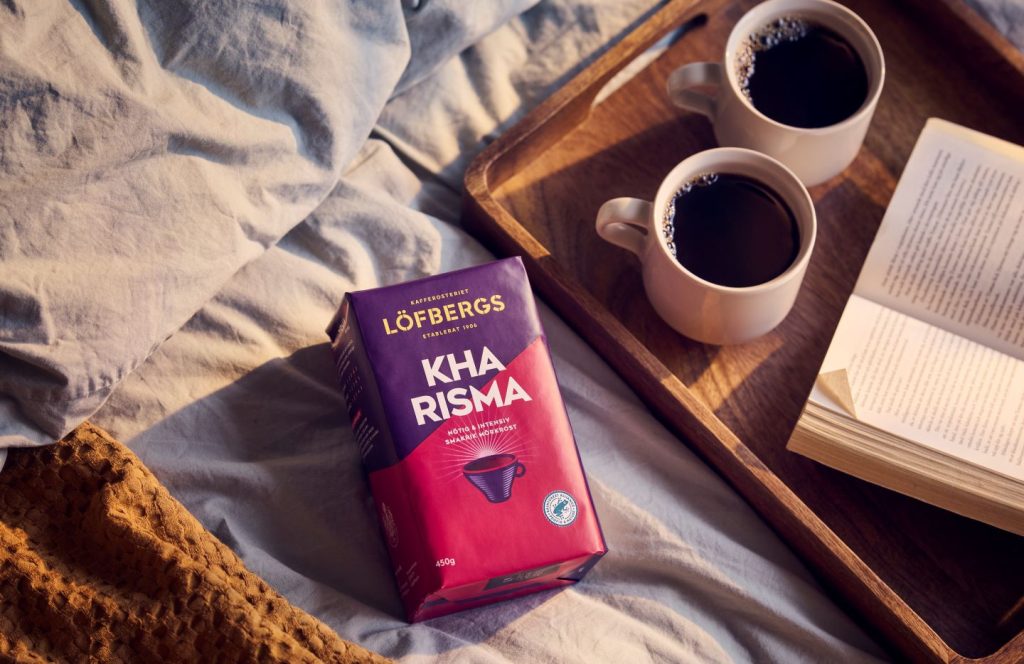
x=937, y=586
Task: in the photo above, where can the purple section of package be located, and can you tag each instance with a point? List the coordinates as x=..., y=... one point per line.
x=382, y=315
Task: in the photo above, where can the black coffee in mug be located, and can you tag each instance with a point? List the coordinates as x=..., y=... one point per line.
x=802, y=74
x=731, y=230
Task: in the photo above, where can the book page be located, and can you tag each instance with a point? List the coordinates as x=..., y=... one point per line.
x=933, y=387
x=950, y=250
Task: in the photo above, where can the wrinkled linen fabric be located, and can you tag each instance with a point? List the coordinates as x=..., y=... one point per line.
x=151, y=149
x=1006, y=15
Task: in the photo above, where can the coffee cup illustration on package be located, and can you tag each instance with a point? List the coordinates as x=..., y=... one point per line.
x=493, y=475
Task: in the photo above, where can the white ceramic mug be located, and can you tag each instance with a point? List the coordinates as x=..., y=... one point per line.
x=697, y=308
x=815, y=155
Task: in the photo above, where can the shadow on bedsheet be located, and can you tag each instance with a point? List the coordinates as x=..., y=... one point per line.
x=269, y=465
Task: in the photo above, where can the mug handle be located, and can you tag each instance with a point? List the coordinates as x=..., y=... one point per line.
x=520, y=469
x=623, y=222
x=690, y=76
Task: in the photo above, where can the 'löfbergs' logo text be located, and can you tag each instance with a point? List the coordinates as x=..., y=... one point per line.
x=451, y=312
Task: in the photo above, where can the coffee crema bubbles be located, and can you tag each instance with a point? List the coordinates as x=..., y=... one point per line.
x=731, y=230
x=801, y=74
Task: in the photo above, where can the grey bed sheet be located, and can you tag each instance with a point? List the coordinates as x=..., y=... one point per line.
x=151, y=148
x=237, y=411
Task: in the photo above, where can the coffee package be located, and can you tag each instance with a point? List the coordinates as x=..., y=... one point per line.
x=462, y=431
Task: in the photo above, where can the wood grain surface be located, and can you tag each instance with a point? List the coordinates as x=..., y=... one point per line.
x=936, y=586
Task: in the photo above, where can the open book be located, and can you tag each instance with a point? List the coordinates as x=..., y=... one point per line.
x=922, y=388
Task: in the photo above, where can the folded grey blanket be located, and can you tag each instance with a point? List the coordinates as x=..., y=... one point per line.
x=151, y=148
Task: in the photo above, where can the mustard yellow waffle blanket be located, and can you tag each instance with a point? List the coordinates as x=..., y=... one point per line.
x=99, y=563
